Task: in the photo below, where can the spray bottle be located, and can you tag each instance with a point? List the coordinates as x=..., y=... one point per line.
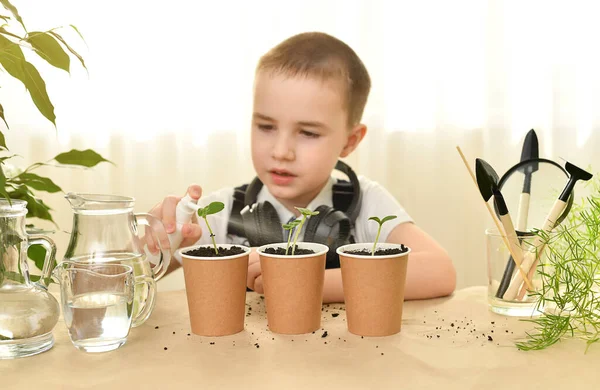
x=184, y=211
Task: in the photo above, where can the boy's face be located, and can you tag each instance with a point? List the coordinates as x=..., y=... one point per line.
x=299, y=130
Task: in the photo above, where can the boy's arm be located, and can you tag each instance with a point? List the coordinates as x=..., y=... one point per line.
x=430, y=272
x=333, y=291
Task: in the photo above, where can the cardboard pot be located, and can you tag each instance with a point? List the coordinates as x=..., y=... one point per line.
x=293, y=288
x=373, y=289
x=216, y=291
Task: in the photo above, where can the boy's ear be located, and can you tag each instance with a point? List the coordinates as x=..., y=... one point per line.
x=356, y=135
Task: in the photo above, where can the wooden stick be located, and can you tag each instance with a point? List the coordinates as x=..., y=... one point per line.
x=516, y=258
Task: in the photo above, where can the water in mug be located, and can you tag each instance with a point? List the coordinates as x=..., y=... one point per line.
x=145, y=286
x=98, y=320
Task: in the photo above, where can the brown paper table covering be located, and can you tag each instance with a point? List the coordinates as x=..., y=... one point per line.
x=462, y=357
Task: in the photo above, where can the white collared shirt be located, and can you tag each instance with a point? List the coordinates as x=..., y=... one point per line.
x=376, y=201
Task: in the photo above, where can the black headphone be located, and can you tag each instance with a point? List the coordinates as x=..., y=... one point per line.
x=331, y=226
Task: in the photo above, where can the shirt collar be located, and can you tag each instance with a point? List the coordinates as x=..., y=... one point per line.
x=325, y=197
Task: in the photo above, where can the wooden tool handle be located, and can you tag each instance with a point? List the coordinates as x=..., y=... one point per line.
x=512, y=242
x=512, y=239
x=523, y=212
x=534, y=252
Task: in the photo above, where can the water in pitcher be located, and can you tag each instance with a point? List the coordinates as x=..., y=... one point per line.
x=105, y=230
x=107, y=320
x=23, y=316
x=145, y=285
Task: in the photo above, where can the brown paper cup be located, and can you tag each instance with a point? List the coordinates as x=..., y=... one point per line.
x=373, y=290
x=294, y=288
x=216, y=292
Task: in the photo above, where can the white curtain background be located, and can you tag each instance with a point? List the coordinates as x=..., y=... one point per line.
x=168, y=97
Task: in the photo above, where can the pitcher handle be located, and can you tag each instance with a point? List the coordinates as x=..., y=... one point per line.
x=163, y=242
x=50, y=246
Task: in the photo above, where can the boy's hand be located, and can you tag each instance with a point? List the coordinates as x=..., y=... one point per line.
x=165, y=211
x=254, y=281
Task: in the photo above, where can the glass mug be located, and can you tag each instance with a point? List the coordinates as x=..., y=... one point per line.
x=97, y=303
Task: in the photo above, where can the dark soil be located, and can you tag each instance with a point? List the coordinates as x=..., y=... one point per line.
x=210, y=252
x=281, y=251
x=380, y=252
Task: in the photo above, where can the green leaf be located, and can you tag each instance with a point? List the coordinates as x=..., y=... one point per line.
x=37, y=89
x=306, y=212
x=3, y=184
x=36, y=278
x=291, y=225
x=2, y=140
x=12, y=58
x=62, y=40
x=37, y=253
x=19, y=192
x=35, y=207
x=388, y=218
x=49, y=49
x=36, y=182
x=8, y=33
x=14, y=276
x=2, y=159
x=382, y=221
x=5, y=18
x=376, y=220
x=214, y=208
x=13, y=10
x=86, y=158
x=78, y=32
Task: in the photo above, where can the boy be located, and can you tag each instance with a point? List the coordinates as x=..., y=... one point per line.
x=309, y=95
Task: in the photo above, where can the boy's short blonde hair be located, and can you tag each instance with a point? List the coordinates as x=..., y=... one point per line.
x=320, y=55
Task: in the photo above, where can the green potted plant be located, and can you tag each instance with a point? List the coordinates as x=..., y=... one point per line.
x=373, y=277
x=215, y=274
x=15, y=183
x=293, y=276
x=569, y=298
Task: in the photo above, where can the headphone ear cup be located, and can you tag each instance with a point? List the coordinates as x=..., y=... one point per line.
x=312, y=225
x=261, y=224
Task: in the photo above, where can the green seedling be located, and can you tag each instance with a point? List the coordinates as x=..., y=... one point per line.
x=290, y=226
x=212, y=208
x=297, y=223
x=380, y=222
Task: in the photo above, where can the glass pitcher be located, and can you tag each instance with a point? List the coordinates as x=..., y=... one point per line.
x=28, y=313
x=105, y=230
